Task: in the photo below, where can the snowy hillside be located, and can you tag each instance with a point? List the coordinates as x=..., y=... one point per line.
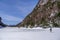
x=9, y=33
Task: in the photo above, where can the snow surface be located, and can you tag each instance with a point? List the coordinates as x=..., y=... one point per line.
x=13, y=33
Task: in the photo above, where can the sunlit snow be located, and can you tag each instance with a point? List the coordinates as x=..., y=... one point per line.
x=43, y=2
x=14, y=33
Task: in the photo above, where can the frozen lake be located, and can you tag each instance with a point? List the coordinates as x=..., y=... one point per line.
x=13, y=33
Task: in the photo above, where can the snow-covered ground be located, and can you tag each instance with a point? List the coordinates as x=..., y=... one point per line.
x=12, y=33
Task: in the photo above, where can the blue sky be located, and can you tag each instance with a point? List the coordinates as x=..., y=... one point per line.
x=14, y=11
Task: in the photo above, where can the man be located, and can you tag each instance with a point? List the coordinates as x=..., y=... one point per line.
x=51, y=26
x=50, y=29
